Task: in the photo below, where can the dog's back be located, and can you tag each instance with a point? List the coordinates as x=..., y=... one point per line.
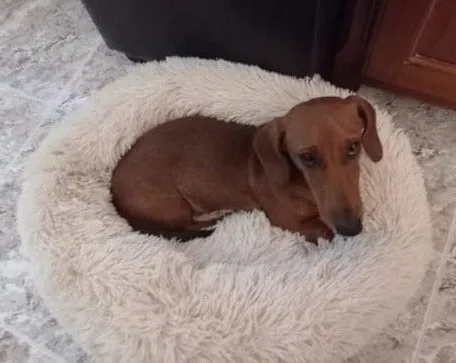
x=199, y=159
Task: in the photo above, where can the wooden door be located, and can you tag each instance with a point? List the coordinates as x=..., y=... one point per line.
x=414, y=50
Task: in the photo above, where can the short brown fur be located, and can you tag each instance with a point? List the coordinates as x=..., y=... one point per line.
x=301, y=169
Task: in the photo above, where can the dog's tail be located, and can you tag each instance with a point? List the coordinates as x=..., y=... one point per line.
x=185, y=236
x=179, y=235
x=149, y=228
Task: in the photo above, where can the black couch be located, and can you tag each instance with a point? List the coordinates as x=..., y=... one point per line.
x=295, y=37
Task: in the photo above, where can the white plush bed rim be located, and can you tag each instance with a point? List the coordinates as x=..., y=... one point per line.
x=248, y=293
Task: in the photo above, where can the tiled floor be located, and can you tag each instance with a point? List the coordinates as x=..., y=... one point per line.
x=51, y=58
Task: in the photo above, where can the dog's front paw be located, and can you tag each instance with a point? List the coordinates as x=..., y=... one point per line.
x=321, y=232
x=327, y=234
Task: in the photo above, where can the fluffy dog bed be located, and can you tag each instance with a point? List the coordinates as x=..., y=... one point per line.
x=250, y=292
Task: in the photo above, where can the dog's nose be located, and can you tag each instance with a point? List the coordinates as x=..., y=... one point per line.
x=349, y=226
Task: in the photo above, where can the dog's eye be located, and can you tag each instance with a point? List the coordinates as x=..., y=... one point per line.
x=310, y=160
x=353, y=149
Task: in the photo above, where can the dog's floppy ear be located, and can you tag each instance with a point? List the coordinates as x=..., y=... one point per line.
x=267, y=145
x=370, y=139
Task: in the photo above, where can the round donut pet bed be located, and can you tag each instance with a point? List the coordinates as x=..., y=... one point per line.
x=248, y=293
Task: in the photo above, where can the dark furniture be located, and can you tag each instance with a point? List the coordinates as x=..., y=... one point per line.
x=414, y=50
x=295, y=37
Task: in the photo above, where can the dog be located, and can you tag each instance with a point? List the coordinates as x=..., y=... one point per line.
x=301, y=169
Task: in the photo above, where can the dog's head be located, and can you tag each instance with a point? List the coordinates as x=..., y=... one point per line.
x=322, y=139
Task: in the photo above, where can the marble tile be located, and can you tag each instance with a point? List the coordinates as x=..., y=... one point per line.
x=54, y=117
x=24, y=125
x=9, y=8
x=439, y=340
x=102, y=68
x=42, y=42
x=11, y=349
x=34, y=321
x=23, y=122
x=425, y=124
x=9, y=238
x=441, y=220
x=19, y=118
x=13, y=266
x=430, y=128
x=14, y=350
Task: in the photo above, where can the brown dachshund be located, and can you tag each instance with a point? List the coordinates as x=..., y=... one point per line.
x=301, y=169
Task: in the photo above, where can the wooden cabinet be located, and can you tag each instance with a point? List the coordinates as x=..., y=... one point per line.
x=414, y=50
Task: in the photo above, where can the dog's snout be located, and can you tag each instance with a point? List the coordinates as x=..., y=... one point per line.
x=348, y=225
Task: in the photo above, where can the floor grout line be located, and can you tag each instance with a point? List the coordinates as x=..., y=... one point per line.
x=4, y=87
x=435, y=287
x=54, y=105
x=76, y=75
x=26, y=339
